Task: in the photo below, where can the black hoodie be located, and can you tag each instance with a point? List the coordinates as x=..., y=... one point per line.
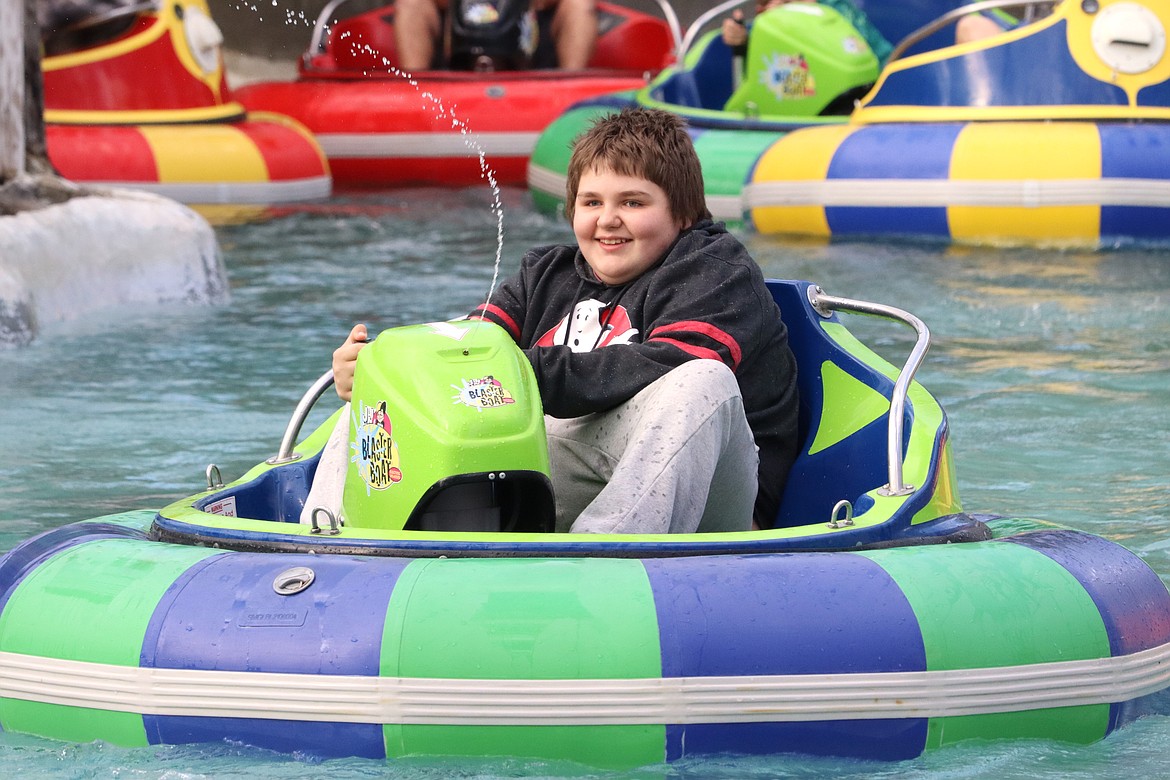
x=705, y=299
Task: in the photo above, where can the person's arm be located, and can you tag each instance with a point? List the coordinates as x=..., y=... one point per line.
x=507, y=304
x=574, y=31
x=345, y=361
x=734, y=31
x=417, y=24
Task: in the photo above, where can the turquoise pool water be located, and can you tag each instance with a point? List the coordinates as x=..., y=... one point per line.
x=1053, y=366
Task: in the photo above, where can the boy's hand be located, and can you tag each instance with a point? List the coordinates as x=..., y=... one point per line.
x=345, y=361
x=734, y=30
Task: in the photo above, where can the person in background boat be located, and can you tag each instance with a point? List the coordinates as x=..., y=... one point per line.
x=735, y=31
x=977, y=26
x=668, y=384
x=418, y=27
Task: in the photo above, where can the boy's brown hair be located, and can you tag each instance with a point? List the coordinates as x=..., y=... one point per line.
x=649, y=144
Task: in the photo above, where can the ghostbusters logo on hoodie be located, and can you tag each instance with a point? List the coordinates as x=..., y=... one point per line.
x=591, y=325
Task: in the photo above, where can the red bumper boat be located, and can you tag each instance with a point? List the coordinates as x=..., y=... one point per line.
x=136, y=97
x=382, y=127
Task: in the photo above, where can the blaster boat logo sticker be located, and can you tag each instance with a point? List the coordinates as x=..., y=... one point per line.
x=484, y=393
x=788, y=76
x=375, y=452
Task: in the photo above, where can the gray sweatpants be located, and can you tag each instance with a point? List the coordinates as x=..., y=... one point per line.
x=678, y=457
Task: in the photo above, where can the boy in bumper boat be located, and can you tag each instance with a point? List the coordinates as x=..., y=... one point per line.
x=664, y=369
x=735, y=31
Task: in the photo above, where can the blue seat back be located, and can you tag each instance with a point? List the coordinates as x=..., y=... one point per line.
x=843, y=427
x=704, y=82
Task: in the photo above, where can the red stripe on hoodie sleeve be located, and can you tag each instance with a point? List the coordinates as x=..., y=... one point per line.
x=705, y=329
x=502, y=315
x=699, y=352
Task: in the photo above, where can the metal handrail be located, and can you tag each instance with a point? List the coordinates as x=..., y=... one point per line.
x=672, y=21
x=825, y=305
x=952, y=16
x=285, y=454
x=321, y=28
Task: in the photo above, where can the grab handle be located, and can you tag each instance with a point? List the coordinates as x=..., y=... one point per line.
x=293, y=429
x=825, y=305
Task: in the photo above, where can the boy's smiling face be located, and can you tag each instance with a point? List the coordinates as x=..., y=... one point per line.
x=623, y=224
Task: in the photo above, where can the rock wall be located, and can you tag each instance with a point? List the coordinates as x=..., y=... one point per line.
x=95, y=251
